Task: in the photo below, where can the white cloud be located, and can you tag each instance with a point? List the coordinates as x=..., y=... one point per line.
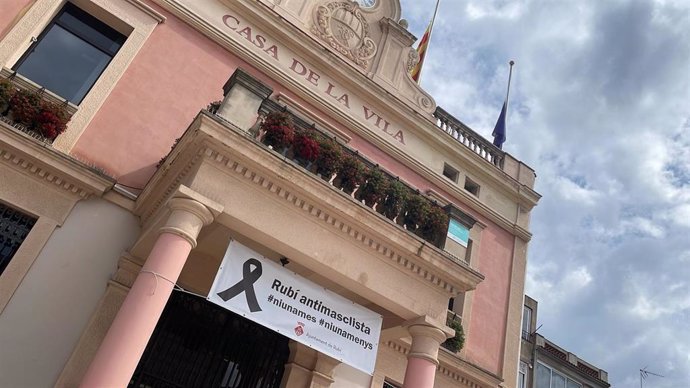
x=483, y=9
x=572, y=192
x=599, y=107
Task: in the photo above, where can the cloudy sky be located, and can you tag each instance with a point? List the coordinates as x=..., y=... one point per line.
x=600, y=108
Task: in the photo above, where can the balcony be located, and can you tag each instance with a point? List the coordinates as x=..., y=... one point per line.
x=355, y=175
x=468, y=138
x=32, y=109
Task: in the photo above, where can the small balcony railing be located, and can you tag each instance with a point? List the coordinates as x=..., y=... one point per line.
x=468, y=138
x=32, y=109
x=427, y=227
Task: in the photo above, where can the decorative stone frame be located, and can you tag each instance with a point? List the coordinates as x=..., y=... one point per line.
x=360, y=51
x=133, y=18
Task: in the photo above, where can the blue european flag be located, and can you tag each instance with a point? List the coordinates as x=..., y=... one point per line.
x=499, y=133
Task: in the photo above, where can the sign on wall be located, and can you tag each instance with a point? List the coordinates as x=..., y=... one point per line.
x=458, y=233
x=272, y=296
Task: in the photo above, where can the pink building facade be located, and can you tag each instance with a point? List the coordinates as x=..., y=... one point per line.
x=148, y=183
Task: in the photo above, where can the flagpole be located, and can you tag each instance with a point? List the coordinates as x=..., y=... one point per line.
x=510, y=76
x=431, y=32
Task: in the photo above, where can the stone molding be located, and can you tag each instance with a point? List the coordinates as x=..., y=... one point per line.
x=451, y=366
x=60, y=171
x=436, y=278
x=406, y=251
x=155, y=15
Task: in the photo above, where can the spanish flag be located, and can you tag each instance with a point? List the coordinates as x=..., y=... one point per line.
x=422, y=47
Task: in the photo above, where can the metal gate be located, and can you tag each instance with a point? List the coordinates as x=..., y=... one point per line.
x=199, y=344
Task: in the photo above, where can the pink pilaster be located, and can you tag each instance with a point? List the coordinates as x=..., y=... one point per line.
x=123, y=345
x=422, y=358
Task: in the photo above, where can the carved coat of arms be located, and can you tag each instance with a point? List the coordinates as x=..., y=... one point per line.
x=342, y=25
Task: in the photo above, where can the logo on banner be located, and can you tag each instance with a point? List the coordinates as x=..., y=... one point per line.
x=246, y=285
x=299, y=329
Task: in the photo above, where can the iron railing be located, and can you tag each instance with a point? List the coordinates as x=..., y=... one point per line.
x=14, y=227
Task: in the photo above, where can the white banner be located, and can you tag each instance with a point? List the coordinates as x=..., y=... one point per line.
x=270, y=295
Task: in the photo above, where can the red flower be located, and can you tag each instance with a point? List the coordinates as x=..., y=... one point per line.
x=50, y=121
x=25, y=106
x=280, y=132
x=306, y=147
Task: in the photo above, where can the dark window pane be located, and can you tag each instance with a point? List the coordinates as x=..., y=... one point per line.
x=64, y=64
x=71, y=53
x=90, y=29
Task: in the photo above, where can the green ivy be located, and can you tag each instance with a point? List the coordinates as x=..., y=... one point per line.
x=455, y=344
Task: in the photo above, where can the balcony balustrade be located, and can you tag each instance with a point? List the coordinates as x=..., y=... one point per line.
x=468, y=138
x=430, y=224
x=32, y=109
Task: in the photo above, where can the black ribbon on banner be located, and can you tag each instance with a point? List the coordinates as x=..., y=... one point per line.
x=249, y=277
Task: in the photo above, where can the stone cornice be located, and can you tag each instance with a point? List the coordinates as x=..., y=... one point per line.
x=39, y=160
x=464, y=373
x=348, y=75
x=158, y=17
x=210, y=140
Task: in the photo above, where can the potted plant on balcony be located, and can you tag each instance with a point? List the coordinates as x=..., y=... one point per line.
x=24, y=106
x=306, y=148
x=435, y=225
x=374, y=189
x=280, y=131
x=416, y=209
x=351, y=173
x=50, y=121
x=456, y=343
x=329, y=158
x=213, y=106
x=6, y=92
x=396, y=195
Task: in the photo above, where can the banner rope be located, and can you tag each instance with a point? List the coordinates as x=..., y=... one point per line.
x=176, y=287
x=156, y=275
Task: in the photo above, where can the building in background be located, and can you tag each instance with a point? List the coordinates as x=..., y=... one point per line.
x=543, y=364
x=101, y=218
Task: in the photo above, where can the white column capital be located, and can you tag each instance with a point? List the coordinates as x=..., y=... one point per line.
x=426, y=340
x=187, y=217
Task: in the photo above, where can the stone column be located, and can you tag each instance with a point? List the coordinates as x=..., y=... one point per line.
x=123, y=345
x=423, y=357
